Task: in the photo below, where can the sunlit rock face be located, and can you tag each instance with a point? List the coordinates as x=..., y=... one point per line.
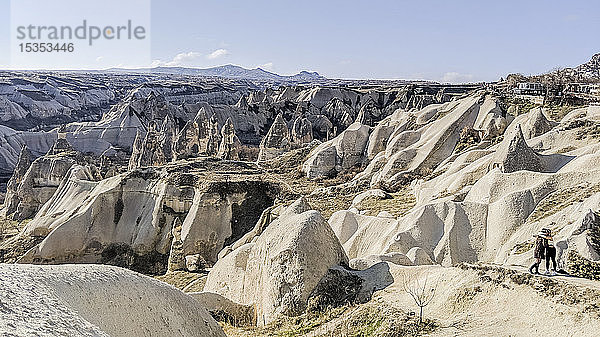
x=129, y=219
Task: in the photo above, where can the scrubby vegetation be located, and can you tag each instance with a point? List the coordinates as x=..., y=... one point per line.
x=557, y=112
x=375, y=318
x=560, y=199
x=580, y=266
x=398, y=205
x=180, y=279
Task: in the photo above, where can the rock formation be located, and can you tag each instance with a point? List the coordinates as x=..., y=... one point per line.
x=230, y=144
x=65, y=300
x=12, y=199
x=302, y=131
x=29, y=190
x=155, y=147
x=338, y=154
x=278, y=272
x=143, y=209
x=276, y=142
x=199, y=137
x=513, y=154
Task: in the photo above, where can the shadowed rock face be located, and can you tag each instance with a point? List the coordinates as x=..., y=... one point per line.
x=221, y=213
x=302, y=131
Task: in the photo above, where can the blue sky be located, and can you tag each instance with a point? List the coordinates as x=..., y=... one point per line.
x=452, y=41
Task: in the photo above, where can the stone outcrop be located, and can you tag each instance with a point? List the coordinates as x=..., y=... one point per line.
x=60, y=146
x=536, y=124
x=338, y=154
x=148, y=220
x=492, y=120
x=155, y=147
x=199, y=137
x=96, y=300
x=28, y=191
x=176, y=255
x=513, y=154
x=337, y=110
x=302, y=131
x=230, y=144
x=277, y=272
x=12, y=199
x=276, y=142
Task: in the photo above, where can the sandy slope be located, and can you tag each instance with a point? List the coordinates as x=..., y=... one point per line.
x=95, y=300
x=468, y=306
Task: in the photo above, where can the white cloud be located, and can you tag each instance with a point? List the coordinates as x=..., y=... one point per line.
x=571, y=18
x=179, y=60
x=99, y=58
x=454, y=77
x=345, y=62
x=267, y=66
x=217, y=53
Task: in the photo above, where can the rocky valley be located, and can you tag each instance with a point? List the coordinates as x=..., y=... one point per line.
x=243, y=203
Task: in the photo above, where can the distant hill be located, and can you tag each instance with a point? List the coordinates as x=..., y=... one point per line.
x=228, y=71
x=590, y=69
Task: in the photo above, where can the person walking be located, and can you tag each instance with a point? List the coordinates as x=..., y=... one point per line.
x=538, y=252
x=550, y=251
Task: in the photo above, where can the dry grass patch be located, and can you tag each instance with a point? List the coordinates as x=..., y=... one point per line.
x=560, y=199
x=375, y=318
x=179, y=279
x=398, y=205
x=558, y=112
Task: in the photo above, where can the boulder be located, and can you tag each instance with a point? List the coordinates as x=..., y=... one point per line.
x=195, y=263
x=283, y=266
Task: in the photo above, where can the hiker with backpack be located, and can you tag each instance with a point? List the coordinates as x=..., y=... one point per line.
x=538, y=251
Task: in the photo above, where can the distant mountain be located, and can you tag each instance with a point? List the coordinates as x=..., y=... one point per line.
x=228, y=71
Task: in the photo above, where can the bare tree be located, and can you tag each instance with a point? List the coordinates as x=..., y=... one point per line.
x=420, y=289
